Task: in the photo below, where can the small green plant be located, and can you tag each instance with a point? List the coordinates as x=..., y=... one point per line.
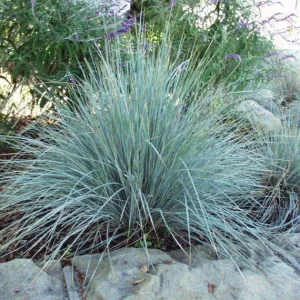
x=143, y=243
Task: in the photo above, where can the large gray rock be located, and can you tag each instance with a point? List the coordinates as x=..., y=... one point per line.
x=120, y=258
x=259, y=117
x=129, y=274
x=22, y=279
x=70, y=282
x=267, y=99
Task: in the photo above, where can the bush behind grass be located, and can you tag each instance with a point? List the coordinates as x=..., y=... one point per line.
x=45, y=40
x=214, y=30
x=132, y=161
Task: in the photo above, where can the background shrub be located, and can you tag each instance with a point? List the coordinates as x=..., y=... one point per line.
x=47, y=40
x=228, y=34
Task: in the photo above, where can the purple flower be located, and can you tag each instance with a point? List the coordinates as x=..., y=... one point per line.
x=288, y=56
x=128, y=22
x=123, y=30
x=184, y=108
x=233, y=56
x=72, y=80
x=290, y=41
x=274, y=17
x=111, y=12
x=114, y=34
x=276, y=76
x=76, y=36
x=288, y=18
x=172, y=3
x=268, y=2
x=111, y=35
x=244, y=25
x=271, y=54
x=32, y=3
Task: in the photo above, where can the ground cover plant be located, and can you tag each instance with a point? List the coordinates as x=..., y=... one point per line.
x=129, y=163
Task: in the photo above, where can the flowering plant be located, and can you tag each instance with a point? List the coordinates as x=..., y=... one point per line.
x=49, y=40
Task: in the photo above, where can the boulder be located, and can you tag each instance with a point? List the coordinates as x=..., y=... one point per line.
x=120, y=269
x=22, y=279
x=267, y=100
x=259, y=117
x=132, y=275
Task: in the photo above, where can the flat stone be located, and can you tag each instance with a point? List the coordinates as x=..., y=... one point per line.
x=22, y=279
x=120, y=259
x=72, y=288
x=122, y=276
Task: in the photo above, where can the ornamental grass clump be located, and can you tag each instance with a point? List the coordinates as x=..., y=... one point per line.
x=127, y=163
x=281, y=200
x=287, y=87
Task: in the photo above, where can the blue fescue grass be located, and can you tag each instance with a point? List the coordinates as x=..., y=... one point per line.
x=280, y=205
x=128, y=160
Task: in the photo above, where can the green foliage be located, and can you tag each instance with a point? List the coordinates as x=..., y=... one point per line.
x=47, y=40
x=212, y=31
x=130, y=160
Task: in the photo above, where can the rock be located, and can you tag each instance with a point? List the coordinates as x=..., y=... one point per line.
x=259, y=117
x=122, y=276
x=89, y=264
x=118, y=274
x=267, y=99
x=22, y=279
x=197, y=257
x=72, y=288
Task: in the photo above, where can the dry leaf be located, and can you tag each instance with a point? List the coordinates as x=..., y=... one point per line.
x=211, y=288
x=144, y=269
x=171, y=261
x=137, y=282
